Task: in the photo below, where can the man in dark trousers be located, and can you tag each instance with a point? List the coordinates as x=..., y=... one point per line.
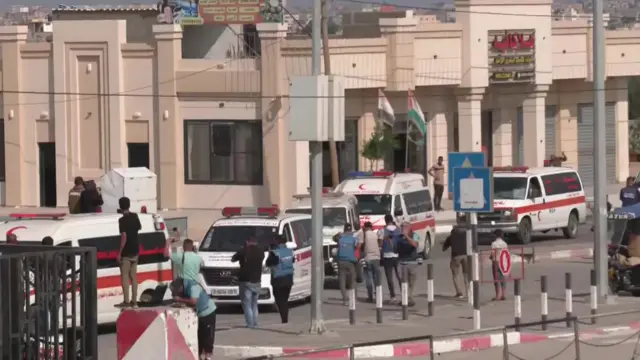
x=129, y=225
x=457, y=242
x=347, y=261
x=250, y=257
x=281, y=261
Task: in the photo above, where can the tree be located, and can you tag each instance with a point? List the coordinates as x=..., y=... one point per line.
x=381, y=143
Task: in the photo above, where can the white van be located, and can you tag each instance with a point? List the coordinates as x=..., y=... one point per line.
x=527, y=200
x=229, y=234
x=404, y=195
x=337, y=210
x=101, y=231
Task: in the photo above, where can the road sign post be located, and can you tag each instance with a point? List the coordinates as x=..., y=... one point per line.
x=466, y=160
x=472, y=193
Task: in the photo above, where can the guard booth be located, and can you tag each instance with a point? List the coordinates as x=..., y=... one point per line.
x=48, y=302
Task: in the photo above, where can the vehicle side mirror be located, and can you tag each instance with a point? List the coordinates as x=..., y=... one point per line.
x=398, y=212
x=291, y=245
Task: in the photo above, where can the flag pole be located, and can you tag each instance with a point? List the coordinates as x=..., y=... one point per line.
x=406, y=146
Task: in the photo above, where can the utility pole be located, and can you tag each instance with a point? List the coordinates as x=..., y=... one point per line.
x=317, y=263
x=599, y=151
x=333, y=151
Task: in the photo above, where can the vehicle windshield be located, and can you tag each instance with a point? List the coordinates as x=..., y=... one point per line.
x=374, y=204
x=233, y=238
x=331, y=216
x=509, y=188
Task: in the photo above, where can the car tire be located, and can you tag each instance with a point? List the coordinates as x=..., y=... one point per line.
x=428, y=245
x=524, y=231
x=571, y=230
x=635, y=293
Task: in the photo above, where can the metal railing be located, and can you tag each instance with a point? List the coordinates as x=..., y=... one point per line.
x=48, y=302
x=505, y=330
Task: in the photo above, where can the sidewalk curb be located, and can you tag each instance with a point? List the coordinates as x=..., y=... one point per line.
x=421, y=349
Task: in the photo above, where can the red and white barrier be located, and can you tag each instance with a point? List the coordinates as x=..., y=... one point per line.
x=159, y=333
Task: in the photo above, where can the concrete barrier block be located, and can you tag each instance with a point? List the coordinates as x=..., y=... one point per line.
x=158, y=333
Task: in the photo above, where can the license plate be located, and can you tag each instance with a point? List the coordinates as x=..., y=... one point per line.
x=225, y=292
x=484, y=230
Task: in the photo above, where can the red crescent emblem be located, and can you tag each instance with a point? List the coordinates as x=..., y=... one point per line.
x=14, y=229
x=539, y=215
x=361, y=186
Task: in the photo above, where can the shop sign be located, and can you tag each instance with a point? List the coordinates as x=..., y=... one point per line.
x=512, y=56
x=224, y=12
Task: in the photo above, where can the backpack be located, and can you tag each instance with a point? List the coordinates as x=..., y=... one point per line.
x=394, y=236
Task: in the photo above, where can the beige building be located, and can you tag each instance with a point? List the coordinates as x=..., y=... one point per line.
x=505, y=79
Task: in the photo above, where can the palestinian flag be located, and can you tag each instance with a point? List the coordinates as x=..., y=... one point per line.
x=385, y=111
x=416, y=116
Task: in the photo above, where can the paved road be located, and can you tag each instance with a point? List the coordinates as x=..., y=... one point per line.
x=446, y=306
x=540, y=241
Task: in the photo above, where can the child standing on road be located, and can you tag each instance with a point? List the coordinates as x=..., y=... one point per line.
x=498, y=277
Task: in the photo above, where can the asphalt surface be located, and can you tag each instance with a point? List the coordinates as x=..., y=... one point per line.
x=551, y=239
x=231, y=318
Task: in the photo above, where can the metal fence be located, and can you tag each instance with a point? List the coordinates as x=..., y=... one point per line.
x=48, y=302
x=575, y=322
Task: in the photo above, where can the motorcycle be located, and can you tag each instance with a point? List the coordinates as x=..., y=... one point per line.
x=624, y=270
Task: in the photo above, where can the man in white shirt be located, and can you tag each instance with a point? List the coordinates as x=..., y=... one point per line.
x=498, y=277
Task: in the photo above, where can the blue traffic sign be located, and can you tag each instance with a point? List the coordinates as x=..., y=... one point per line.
x=473, y=189
x=463, y=159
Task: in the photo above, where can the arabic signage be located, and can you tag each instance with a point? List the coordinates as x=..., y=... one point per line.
x=512, y=56
x=198, y=12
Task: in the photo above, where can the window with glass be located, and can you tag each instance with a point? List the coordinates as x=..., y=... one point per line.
x=563, y=183
x=509, y=188
x=233, y=238
x=331, y=216
x=374, y=204
x=418, y=202
x=223, y=152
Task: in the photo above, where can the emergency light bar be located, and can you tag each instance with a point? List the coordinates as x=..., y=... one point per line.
x=272, y=211
x=357, y=174
x=520, y=169
x=53, y=216
x=324, y=195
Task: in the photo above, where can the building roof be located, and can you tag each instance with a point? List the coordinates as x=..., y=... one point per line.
x=106, y=8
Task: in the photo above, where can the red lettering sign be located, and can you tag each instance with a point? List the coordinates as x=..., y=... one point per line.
x=513, y=41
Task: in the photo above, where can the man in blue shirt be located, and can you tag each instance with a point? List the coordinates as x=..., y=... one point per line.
x=347, y=261
x=281, y=261
x=630, y=194
x=190, y=293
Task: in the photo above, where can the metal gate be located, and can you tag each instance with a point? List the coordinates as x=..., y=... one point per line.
x=585, y=143
x=518, y=157
x=550, y=131
x=48, y=302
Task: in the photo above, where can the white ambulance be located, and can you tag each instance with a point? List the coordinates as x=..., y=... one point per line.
x=229, y=234
x=337, y=210
x=528, y=200
x=101, y=231
x=404, y=195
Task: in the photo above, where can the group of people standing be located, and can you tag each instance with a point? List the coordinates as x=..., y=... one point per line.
x=393, y=249
x=84, y=197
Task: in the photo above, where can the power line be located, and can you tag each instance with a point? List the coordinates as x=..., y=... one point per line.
x=232, y=97
x=456, y=10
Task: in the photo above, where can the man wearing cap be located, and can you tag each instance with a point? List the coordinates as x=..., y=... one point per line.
x=347, y=261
